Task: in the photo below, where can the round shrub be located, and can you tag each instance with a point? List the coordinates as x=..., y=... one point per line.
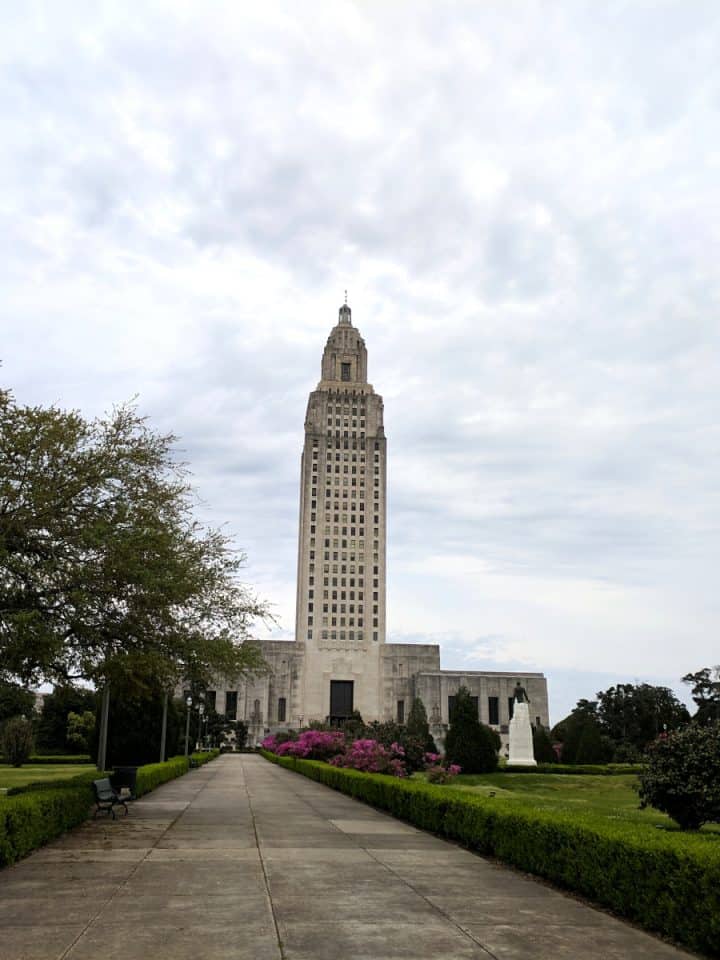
x=682, y=777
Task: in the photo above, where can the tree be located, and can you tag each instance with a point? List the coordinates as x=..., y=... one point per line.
x=706, y=693
x=570, y=730
x=16, y=740
x=469, y=743
x=134, y=728
x=57, y=706
x=542, y=746
x=590, y=747
x=682, y=777
x=106, y=575
x=80, y=728
x=15, y=700
x=635, y=714
x=418, y=726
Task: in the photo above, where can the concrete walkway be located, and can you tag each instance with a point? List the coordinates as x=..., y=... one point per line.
x=242, y=859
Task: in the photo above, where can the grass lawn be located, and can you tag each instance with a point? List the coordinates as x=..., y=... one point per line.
x=31, y=772
x=611, y=797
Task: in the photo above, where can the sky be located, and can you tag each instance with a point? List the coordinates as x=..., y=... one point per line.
x=523, y=202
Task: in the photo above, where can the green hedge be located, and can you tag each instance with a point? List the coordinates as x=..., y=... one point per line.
x=596, y=769
x=32, y=819
x=667, y=881
x=86, y=777
x=56, y=758
x=34, y=814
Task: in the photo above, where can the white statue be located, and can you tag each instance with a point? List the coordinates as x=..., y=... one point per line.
x=521, y=741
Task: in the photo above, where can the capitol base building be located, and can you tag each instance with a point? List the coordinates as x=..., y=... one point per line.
x=339, y=661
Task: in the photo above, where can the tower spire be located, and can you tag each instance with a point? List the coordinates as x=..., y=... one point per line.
x=345, y=313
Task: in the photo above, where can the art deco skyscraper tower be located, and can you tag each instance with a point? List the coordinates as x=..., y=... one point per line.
x=341, y=554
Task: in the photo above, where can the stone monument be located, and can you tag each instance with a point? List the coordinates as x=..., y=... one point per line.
x=521, y=741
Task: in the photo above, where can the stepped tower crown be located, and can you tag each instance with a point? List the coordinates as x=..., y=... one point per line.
x=345, y=355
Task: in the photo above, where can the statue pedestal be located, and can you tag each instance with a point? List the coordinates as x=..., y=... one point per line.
x=521, y=743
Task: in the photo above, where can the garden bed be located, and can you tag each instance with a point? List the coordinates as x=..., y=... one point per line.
x=666, y=880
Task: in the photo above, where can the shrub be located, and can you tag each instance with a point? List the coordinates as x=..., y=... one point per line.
x=418, y=726
x=372, y=757
x=32, y=819
x=353, y=728
x=16, y=740
x=439, y=774
x=574, y=769
x=469, y=743
x=668, y=882
x=56, y=758
x=542, y=746
x=682, y=777
x=241, y=735
x=389, y=732
x=313, y=745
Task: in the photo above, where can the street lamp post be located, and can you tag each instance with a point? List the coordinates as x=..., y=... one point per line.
x=188, y=704
x=201, y=711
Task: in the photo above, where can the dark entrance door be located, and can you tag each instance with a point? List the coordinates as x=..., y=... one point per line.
x=341, y=699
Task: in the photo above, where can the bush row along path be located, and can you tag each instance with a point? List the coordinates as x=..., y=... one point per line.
x=243, y=859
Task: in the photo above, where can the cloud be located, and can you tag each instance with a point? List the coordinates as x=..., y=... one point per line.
x=524, y=210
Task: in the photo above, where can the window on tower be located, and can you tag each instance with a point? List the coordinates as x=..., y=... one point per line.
x=344, y=371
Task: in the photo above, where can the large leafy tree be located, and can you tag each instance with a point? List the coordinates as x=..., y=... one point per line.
x=15, y=700
x=705, y=692
x=582, y=736
x=105, y=574
x=57, y=706
x=635, y=714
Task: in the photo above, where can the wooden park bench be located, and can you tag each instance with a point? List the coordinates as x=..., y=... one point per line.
x=106, y=798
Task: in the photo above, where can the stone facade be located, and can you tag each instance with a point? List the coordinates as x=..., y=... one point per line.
x=339, y=659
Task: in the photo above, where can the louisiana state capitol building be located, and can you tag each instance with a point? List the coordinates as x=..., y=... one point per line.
x=341, y=550
x=340, y=660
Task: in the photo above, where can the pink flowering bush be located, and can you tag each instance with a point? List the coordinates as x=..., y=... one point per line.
x=311, y=745
x=440, y=774
x=372, y=757
x=365, y=754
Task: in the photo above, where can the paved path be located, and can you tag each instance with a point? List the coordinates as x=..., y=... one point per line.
x=242, y=859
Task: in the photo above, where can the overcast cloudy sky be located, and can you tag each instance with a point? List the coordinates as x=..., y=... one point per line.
x=523, y=201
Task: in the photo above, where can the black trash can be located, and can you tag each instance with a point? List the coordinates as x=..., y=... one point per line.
x=124, y=778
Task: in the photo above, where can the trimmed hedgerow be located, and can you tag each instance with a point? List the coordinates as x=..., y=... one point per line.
x=32, y=815
x=54, y=758
x=596, y=769
x=35, y=786
x=204, y=756
x=668, y=881
x=33, y=818
x=152, y=775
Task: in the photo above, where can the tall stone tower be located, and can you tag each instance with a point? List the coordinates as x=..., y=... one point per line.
x=341, y=553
